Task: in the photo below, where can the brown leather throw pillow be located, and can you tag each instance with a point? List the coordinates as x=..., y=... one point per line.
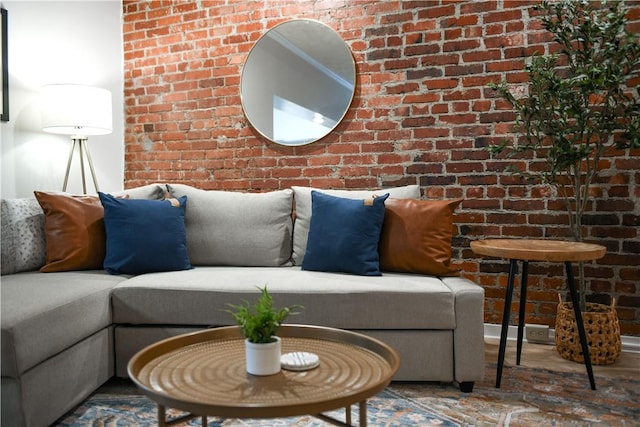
x=416, y=236
x=74, y=230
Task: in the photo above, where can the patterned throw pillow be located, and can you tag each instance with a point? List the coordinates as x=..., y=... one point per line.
x=23, y=236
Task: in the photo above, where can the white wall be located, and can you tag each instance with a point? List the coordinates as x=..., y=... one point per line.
x=60, y=42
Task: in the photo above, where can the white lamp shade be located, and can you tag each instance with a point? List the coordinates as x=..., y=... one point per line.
x=76, y=110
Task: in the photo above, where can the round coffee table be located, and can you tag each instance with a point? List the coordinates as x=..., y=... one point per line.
x=204, y=373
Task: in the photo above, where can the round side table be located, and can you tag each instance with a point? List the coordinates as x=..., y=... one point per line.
x=526, y=250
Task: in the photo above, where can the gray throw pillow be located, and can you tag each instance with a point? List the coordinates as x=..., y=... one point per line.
x=147, y=192
x=237, y=229
x=303, y=209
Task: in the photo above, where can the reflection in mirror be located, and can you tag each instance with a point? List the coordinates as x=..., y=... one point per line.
x=298, y=82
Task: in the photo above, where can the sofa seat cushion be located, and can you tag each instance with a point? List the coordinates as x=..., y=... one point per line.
x=200, y=297
x=43, y=314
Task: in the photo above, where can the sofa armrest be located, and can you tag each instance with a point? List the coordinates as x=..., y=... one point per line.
x=468, y=336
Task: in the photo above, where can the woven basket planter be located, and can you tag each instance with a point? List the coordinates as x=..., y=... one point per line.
x=601, y=327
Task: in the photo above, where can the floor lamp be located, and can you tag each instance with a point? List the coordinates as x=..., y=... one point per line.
x=78, y=111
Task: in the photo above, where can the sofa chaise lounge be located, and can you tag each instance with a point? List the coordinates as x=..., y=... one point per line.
x=67, y=331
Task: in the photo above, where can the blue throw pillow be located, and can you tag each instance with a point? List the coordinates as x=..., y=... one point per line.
x=144, y=236
x=344, y=234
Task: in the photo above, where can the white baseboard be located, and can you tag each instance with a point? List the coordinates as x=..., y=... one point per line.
x=630, y=344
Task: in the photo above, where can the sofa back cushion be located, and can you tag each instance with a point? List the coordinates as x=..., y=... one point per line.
x=303, y=209
x=23, y=240
x=237, y=229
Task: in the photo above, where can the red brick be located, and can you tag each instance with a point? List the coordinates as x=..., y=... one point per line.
x=422, y=114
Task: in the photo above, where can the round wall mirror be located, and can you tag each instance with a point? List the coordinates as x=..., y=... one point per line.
x=298, y=82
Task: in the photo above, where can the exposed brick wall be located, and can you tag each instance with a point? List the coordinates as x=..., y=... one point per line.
x=422, y=114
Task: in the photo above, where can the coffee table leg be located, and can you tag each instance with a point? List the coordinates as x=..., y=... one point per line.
x=363, y=413
x=164, y=422
x=505, y=320
x=347, y=415
x=578, y=315
x=162, y=416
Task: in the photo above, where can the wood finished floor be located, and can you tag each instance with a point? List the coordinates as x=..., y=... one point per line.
x=546, y=356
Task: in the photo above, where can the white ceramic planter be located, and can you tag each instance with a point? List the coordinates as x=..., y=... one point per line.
x=263, y=359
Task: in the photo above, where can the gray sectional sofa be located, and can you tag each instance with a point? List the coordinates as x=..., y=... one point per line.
x=65, y=333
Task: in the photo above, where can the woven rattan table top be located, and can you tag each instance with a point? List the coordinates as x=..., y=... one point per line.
x=204, y=373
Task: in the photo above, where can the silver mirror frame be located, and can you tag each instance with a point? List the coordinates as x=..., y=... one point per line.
x=334, y=51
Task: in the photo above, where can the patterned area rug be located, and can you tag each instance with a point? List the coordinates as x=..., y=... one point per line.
x=528, y=397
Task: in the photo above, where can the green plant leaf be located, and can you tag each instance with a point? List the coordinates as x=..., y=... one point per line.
x=580, y=101
x=260, y=321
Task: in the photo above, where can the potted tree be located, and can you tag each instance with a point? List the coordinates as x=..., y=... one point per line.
x=259, y=324
x=582, y=102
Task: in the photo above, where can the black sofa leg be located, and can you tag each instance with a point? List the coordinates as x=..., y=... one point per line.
x=466, y=386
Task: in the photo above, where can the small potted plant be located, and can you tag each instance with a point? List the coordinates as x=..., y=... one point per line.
x=259, y=324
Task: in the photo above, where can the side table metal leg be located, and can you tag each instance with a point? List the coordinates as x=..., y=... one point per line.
x=505, y=320
x=583, y=336
x=523, y=303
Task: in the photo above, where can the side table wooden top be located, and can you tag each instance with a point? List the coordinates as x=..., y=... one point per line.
x=539, y=250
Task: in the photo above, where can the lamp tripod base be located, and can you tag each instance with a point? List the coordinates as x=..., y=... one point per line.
x=83, y=149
